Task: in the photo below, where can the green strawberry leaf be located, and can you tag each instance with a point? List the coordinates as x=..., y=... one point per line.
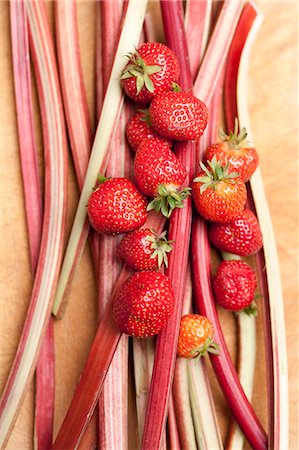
x=150, y=70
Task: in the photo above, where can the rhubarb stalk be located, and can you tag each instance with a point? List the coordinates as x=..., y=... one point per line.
x=197, y=24
x=44, y=389
x=54, y=219
x=113, y=402
x=99, y=155
x=179, y=231
x=273, y=310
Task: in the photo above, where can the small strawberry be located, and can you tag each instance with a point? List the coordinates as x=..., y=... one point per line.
x=242, y=236
x=234, y=286
x=151, y=70
x=143, y=304
x=235, y=150
x=196, y=337
x=144, y=249
x=116, y=206
x=219, y=195
x=179, y=116
x=139, y=128
x=159, y=173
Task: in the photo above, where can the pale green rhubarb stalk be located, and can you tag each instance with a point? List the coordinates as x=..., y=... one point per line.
x=44, y=388
x=113, y=402
x=181, y=221
x=54, y=219
x=110, y=114
x=267, y=259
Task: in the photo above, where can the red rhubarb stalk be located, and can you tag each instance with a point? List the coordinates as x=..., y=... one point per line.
x=100, y=150
x=54, y=219
x=270, y=284
x=222, y=363
x=44, y=389
x=179, y=231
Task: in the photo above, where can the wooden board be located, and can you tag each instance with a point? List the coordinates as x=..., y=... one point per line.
x=273, y=98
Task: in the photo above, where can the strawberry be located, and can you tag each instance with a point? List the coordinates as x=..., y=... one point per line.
x=143, y=304
x=219, y=195
x=234, y=286
x=144, y=250
x=235, y=150
x=116, y=206
x=159, y=173
x=242, y=236
x=179, y=116
x=139, y=128
x=196, y=337
x=151, y=70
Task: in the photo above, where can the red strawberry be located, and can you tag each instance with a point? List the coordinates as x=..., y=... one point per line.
x=234, y=285
x=196, y=336
x=159, y=173
x=242, y=236
x=219, y=195
x=143, y=304
x=139, y=128
x=116, y=206
x=151, y=70
x=235, y=150
x=179, y=116
x=144, y=250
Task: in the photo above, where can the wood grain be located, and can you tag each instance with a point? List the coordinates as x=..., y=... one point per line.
x=273, y=97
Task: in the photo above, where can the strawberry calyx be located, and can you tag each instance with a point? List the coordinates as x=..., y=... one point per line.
x=175, y=87
x=168, y=199
x=214, y=174
x=141, y=71
x=251, y=309
x=160, y=246
x=145, y=116
x=236, y=139
x=101, y=178
x=209, y=346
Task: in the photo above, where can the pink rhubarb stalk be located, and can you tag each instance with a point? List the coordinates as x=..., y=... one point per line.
x=179, y=231
x=44, y=390
x=54, y=219
x=270, y=284
x=113, y=402
x=197, y=24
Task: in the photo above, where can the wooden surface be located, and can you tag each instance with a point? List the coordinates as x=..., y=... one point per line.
x=273, y=98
